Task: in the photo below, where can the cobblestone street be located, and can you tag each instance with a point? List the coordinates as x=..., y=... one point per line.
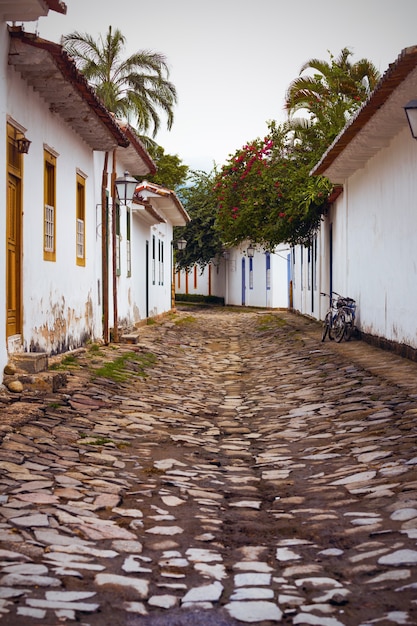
x=234, y=469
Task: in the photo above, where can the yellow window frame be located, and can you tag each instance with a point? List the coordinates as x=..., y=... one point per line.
x=80, y=222
x=49, y=212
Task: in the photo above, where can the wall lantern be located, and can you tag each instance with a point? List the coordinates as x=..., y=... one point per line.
x=411, y=113
x=125, y=187
x=181, y=244
x=23, y=145
x=250, y=251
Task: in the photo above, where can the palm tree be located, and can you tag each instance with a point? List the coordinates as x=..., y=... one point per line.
x=136, y=88
x=333, y=92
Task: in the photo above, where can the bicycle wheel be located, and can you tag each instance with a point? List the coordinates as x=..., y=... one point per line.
x=339, y=326
x=326, y=326
x=348, y=330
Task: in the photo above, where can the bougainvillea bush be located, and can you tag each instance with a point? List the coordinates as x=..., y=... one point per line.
x=264, y=193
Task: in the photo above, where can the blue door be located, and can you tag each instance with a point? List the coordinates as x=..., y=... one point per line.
x=243, y=283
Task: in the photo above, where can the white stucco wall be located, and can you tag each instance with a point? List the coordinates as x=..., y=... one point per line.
x=381, y=236
x=207, y=282
x=374, y=226
x=238, y=285
x=132, y=301
x=3, y=114
x=60, y=299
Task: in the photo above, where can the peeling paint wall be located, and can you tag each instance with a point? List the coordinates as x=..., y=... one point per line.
x=3, y=112
x=61, y=300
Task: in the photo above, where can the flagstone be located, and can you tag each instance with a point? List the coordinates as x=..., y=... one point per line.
x=164, y=601
x=122, y=545
x=399, y=557
x=252, y=593
x=53, y=537
x=29, y=569
x=203, y=555
x=8, y=592
x=83, y=607
x=318, y=582
x=37, y=519
x=254, y=611
x=165, y=530
x=131, y=565
x=316, y=620
x=172, y=500
x=252, y=579
x=205, y=593
x=397, y=574
x=135, y=607
x=247, y=504
x=103, y=529
x=26, y=611
x=29, y=580
x=359, y=477
x=404, y=514
x=107, y=501
x=253, y=566
x=217, y=571
x=38, y=498
x=139, y=585
x=285, y=554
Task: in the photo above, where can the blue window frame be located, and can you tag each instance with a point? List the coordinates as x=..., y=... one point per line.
x=268, y=270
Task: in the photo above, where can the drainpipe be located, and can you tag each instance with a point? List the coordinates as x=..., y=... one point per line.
x=104, y=251
x=114, y=255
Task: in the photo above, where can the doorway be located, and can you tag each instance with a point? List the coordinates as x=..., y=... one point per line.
x=243, y=282
x=13, y=236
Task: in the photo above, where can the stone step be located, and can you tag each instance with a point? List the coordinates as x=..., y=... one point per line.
x=132, y=337
x=31, y=362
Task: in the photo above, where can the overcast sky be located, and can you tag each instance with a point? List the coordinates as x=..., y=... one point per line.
x=232, y=60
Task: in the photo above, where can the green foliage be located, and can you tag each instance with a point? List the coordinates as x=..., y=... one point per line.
x=67, y=362
x=172, y=173
x=329, y=92
x=204, y=241
x=266, y=195
x=126, y=365
x=183, y=321
x=136, y=88
x=198, y=298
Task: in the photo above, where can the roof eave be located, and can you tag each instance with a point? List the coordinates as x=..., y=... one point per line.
x=382, y=105
x=53, y=74
x=152, y=190
x=30, y=10
x=135, y=157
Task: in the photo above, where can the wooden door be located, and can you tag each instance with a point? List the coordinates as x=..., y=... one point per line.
x=13, y=254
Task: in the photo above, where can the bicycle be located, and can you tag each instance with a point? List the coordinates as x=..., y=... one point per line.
x=344, y=322
x=330, y=316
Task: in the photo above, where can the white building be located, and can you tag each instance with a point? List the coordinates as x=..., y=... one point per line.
x=145, y=275
x=256, y=278
x=60, y=212
x=367, y=246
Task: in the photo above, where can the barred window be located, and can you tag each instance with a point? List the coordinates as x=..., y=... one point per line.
x=80, y=221
x=49, y=220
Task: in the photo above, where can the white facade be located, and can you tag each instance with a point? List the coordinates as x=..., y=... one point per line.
x=260, y=281
x=145, y=282
x=4, y=44
x=59, y=298
x=54, y=220
x=366, y=247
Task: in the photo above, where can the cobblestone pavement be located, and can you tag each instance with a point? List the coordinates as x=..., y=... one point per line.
x=239, y=471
